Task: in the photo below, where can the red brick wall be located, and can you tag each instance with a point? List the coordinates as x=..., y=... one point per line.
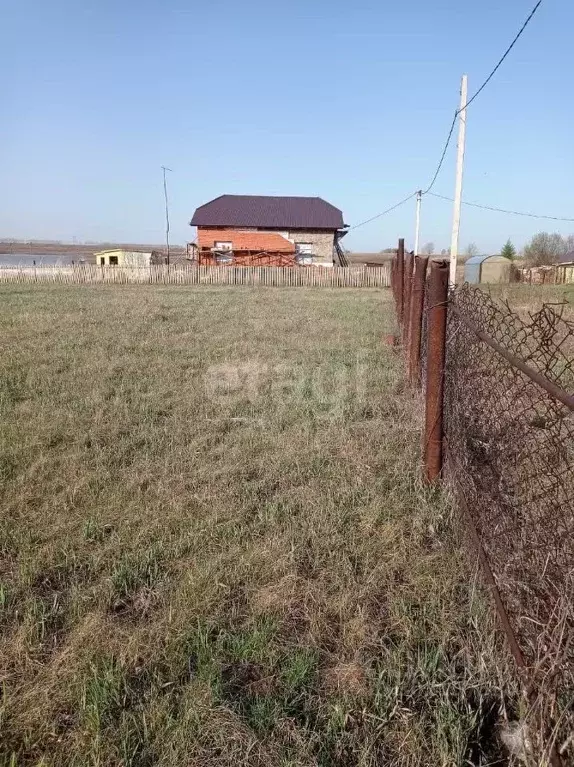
x=256, y=241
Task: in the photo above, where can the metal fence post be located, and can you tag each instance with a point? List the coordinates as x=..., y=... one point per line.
x=400, y=279
x=408, y=284
x=416, y=318
x=436, y=356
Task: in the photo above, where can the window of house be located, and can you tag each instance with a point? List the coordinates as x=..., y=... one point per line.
x=102, y=260
x=113, y=260
x=223, y=245
x=304, y=248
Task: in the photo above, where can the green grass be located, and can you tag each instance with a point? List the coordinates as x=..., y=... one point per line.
x=215, y=548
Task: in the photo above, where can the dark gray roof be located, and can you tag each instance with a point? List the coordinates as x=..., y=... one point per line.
x=272, y=212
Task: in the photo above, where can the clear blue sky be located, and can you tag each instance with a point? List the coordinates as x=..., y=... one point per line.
x=347, y=101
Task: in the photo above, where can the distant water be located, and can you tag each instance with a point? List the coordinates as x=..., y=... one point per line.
x=22, y=259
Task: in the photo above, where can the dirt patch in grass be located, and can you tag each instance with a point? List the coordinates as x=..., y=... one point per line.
x=215, y=546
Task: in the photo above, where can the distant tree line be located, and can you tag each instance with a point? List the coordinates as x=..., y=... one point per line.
x=544, y=249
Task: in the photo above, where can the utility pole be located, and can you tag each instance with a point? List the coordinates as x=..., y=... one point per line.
x=458, y=184
x=166, y=210
x=418, y=221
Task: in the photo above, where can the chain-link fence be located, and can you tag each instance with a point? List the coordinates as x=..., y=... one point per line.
x=511, y=453
x=507, y=392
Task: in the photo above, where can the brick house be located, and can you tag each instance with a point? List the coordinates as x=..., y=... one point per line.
x=250, y=230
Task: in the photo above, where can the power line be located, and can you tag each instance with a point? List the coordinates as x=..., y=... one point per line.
x=506, y=52
x=388, y=210
x=443, y=155
x=482, y=87
x=502, y=210
x=449, y=136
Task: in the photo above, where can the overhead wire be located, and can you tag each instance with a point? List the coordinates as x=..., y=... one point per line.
x=502, y=210
x=451, y=130
x=443, y=155
x=482, y=87
x=383, y=213
x=505, y=54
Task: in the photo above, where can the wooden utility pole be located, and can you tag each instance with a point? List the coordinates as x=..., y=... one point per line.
x=458, y=184
x=418, y=222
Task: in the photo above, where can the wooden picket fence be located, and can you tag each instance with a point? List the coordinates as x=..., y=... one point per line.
x=271, y=276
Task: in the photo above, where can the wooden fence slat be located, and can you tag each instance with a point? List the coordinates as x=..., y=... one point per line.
x=273, y=276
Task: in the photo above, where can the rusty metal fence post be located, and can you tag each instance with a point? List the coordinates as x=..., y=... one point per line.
x=407, y=287
x=400, y=275
x=436, y=357
x=416, y=318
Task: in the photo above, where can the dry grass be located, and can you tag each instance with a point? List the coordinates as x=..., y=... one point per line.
x=215, y=549
x=530, y=298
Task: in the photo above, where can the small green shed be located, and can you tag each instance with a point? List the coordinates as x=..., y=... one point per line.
x=487, y=269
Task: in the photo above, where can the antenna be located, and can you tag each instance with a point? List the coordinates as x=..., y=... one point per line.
x=166, y=209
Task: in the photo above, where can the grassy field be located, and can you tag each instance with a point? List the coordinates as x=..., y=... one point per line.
x=214, y=545
x=531, y=297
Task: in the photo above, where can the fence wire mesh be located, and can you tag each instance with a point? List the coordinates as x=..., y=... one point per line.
x=508, y=407
x=511, y=450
